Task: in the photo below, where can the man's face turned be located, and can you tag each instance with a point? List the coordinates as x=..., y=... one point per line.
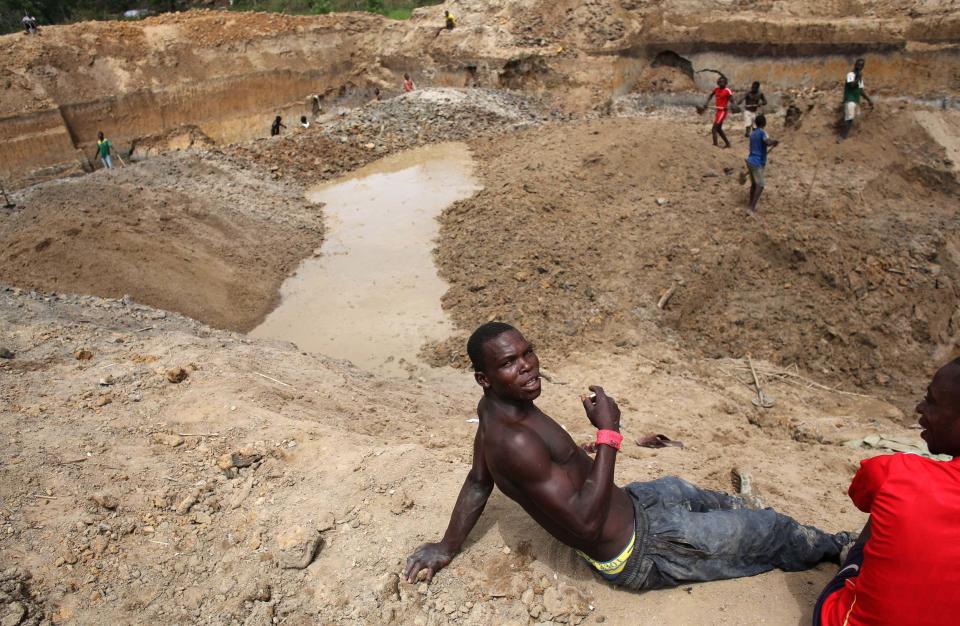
x=511, y=369
x=940, y=412
x=858, y=66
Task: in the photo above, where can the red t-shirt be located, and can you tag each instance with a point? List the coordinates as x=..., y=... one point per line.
x=911, y=563
x=722, y=96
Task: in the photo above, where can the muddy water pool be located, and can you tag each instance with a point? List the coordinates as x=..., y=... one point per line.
x=372, y=294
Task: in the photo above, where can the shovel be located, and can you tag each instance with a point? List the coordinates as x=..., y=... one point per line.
x=6, y=200
x=762, y=399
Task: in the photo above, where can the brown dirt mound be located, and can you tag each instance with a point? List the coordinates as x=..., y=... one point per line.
x=851, y=273
x=187, y=233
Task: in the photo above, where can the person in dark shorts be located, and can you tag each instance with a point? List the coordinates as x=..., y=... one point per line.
x=647, y=535
x=753, y=102
x=276, y=126
x=903, y=568
x=757, y=160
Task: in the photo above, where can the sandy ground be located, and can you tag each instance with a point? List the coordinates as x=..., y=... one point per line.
x=113, y=500
x=194, y=234
x=850, y=272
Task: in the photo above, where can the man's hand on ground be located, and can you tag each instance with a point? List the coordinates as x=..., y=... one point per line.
x=432, y=557
x=602, y=410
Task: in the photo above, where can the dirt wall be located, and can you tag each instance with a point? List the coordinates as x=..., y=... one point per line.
x=228, y=73
x=33, y=141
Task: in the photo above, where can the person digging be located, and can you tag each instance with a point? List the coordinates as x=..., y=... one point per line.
x=760, y=144
x=722, y=94
x=647, y=535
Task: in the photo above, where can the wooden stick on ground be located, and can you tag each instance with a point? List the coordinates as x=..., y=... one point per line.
x=273, y=379
x=665, y=298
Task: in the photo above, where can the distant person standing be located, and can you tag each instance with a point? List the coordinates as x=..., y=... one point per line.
x=407, y=83
x=757, y=161
x=852, y=91
x=276, y=126
x=29, y=24
x=449, y=23
x=754, y=101
x=722, y=94
x=103, y=150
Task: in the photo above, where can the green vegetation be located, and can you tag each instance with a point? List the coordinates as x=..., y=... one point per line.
x=394, y=9
x=66, y=11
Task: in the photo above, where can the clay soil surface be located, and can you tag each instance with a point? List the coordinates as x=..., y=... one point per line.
x=850, y=270
x=197, y=235
x=133, y=499
x=269, y=484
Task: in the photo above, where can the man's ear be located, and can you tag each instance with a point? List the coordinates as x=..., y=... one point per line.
x=482, y=379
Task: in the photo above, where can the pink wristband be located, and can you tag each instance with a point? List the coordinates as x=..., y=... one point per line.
x=609, y=438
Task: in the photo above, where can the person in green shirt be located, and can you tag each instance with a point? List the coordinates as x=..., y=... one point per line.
x=852, y=91
x=103, y=150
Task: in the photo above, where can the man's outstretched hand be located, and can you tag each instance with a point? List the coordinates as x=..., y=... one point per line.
x=432, y=557
x=602, y=410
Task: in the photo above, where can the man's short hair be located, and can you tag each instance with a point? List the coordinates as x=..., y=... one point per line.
x=479, y=338
x=755, y=85
x=760, y=121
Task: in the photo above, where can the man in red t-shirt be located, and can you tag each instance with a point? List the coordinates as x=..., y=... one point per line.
x=723, y=94
x=903, y=570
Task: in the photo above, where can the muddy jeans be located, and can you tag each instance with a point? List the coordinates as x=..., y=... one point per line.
x=687, y=534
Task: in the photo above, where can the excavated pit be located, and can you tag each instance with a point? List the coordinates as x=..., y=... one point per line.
x=587, y=214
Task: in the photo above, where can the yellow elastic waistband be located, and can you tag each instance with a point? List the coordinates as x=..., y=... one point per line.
x=614, y=566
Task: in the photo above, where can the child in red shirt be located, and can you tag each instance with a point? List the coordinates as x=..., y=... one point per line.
x=723, y=94
x=903, y=569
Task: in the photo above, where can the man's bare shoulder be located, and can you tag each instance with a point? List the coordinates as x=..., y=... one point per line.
x=512, y=444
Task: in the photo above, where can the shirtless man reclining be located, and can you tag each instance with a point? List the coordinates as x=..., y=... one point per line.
x=648, y=535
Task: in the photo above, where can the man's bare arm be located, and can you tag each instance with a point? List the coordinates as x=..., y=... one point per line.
x=473, y=497
x=582, y=510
